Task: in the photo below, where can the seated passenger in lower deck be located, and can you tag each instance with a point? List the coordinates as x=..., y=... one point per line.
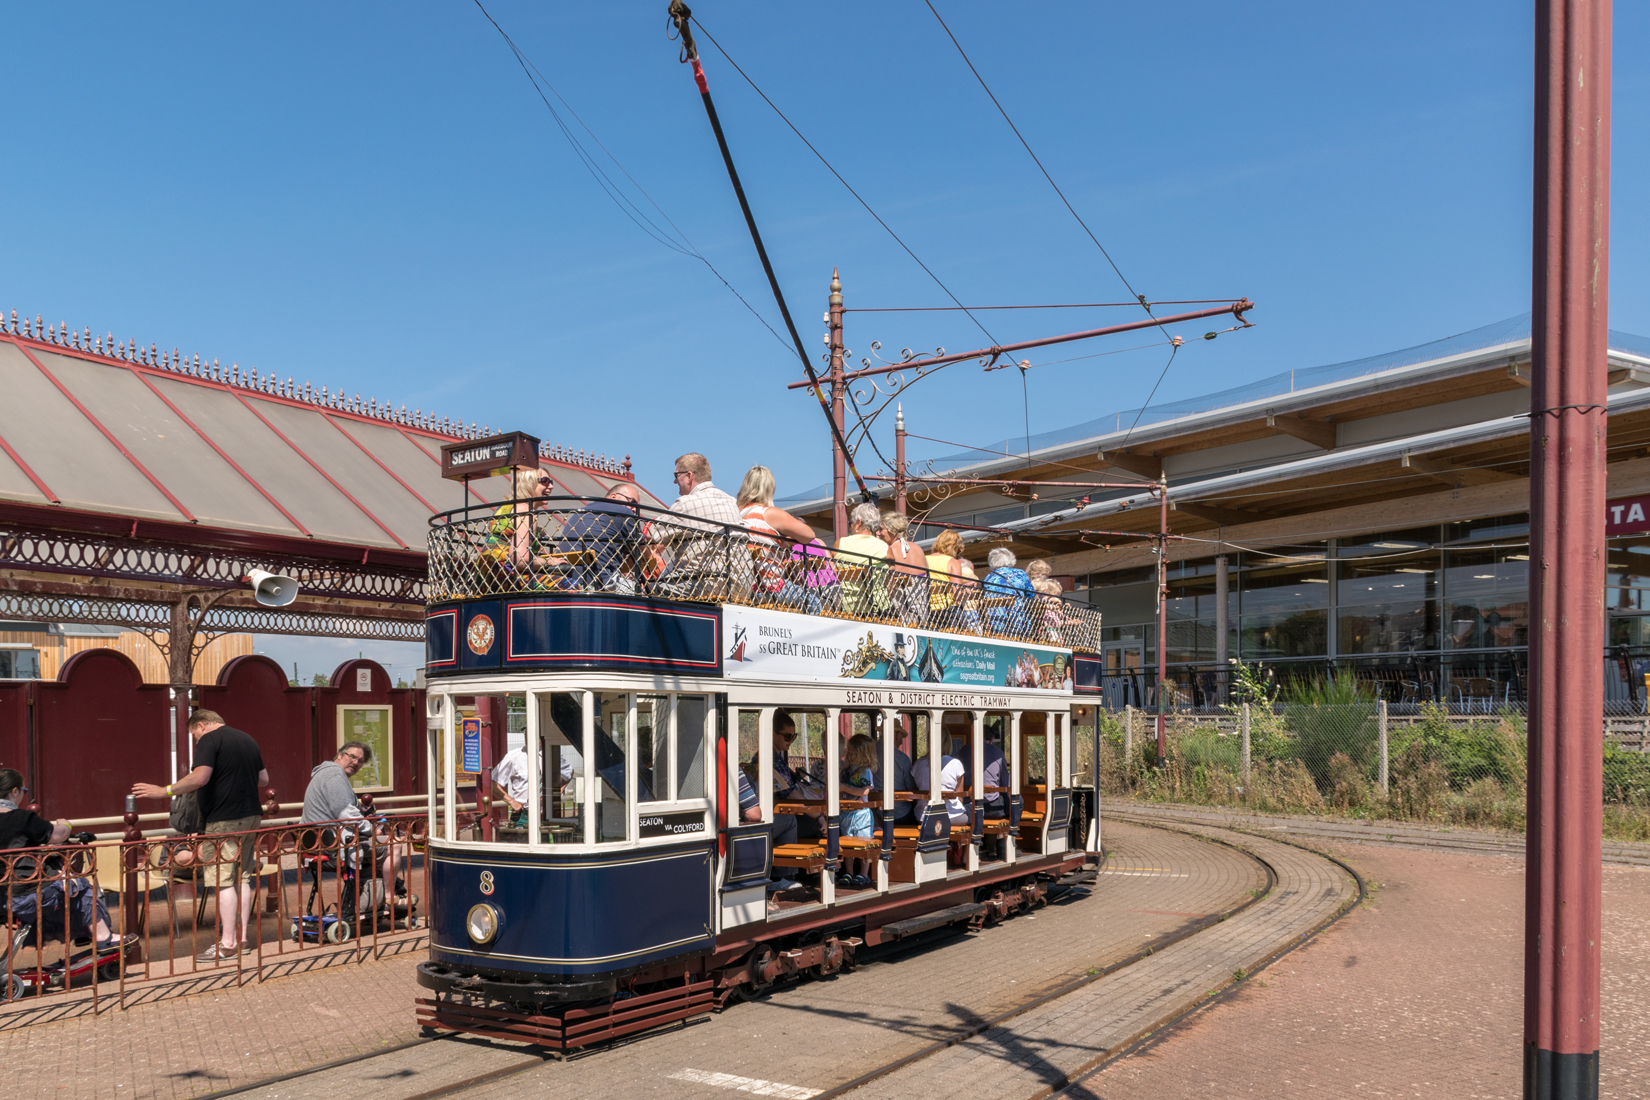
x=951, y=778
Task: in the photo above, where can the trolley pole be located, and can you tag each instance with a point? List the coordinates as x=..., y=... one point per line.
x=1568, y=425
x=839, y=471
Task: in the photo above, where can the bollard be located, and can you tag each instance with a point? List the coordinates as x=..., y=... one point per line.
x=1246, y=745
x=1380, y=721
x=131, y=911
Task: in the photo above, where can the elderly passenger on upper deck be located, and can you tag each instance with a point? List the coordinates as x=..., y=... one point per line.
x=700, y=569
x=608, y=534
x=1008, y=594
x=864, y=592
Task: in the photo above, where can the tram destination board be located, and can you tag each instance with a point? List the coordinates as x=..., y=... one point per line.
x=675, y=824
x=488, y=457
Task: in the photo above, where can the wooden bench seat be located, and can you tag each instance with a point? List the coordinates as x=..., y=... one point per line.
x=808, y=857
x=996, y=826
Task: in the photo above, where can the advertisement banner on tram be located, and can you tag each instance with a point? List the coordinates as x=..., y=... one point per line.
x=763, y=644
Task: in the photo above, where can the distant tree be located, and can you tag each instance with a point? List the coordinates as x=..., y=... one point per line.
x=320, y=680
x=401, y=682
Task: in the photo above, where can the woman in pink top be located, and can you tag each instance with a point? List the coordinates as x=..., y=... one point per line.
x=770, y=528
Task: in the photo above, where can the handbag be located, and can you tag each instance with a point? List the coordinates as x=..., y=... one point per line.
x=185, y=817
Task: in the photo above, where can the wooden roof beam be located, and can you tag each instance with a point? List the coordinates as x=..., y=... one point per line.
x=1226, y=517
x=1319, y=433
x=1146, y=466
x=1456, y=476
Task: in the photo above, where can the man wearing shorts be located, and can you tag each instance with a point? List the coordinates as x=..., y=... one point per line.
x=228, y=771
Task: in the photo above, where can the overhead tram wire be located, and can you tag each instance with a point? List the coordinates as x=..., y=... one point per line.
x=609, y=187
x=850, y=187
x=682, y=16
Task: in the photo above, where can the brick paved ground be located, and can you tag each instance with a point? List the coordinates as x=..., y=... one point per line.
x=1417, y=993
x=818, y=1032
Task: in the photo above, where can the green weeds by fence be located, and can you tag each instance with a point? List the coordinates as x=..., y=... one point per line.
x=1319, y=753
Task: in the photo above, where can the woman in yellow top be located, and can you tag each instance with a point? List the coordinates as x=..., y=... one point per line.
x=864, y=589
x=951, y=585
x=514, y=543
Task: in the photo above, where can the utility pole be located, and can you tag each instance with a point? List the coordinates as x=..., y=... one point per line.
x=1568, y=426
x=899, y=459
x=1162, y=614
x=839, y=471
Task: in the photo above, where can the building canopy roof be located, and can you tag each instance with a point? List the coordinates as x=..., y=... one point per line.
x=155, y=437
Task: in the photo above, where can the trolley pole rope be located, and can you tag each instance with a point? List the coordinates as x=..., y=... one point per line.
x=682, y=16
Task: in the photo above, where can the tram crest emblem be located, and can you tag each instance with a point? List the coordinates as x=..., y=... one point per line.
x=479, y=636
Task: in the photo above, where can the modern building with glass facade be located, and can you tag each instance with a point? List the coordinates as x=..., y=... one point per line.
x=1368, y=517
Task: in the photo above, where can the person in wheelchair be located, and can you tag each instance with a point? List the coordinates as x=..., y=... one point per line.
x=46, y=904
x=330, y=797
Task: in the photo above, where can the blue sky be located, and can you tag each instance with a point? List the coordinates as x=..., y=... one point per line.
x=373, y=197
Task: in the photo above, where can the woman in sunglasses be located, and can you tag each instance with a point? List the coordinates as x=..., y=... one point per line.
x=515, y=545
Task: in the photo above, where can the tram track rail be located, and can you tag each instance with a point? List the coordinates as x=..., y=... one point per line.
x=962, y=1034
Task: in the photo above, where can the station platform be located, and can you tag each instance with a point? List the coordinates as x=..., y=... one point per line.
x=1417, y=986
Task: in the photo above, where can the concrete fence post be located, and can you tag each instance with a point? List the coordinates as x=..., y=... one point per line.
x=1380, y=721
x=1245, y=727
x=1128, y=733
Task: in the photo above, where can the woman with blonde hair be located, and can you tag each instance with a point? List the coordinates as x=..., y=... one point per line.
x=951, y=585
x=514, y=542
x=908, y=586
x=1049, y=605
x=768, y=527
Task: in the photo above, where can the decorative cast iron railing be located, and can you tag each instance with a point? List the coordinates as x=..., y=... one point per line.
x=567, y=544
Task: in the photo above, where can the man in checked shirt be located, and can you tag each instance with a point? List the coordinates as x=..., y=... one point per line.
x=702, y=564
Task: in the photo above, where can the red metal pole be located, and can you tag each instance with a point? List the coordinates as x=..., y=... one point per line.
x=1162, y=616
x=1568, y=427
x=899, y=460
x=1236, y=309
x=839, y=473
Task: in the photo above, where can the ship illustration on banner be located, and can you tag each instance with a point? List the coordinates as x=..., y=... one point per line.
x=785, y=644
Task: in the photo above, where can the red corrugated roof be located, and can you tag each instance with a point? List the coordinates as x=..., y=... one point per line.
x=159, y=438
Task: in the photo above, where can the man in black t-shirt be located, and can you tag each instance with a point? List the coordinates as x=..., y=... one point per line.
x=44, y=901
x=228, y=770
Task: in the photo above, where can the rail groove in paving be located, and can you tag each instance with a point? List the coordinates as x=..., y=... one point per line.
x=1041, y=1051
x=1352, y=831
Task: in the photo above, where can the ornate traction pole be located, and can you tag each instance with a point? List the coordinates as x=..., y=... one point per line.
x=1568, y=428
x=839, y=471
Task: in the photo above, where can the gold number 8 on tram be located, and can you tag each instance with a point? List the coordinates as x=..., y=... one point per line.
x=487, y=883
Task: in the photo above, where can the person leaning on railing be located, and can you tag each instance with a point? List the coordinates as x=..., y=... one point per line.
x=952, y=586
x=862, y=567
x=908, y=584
x=43, y=898
x=514, y=546
x=770, y=554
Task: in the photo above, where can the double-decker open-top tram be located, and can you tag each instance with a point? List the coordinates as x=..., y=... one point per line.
x=674, y=847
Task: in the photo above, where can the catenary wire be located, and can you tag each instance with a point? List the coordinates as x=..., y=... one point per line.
x=832, y=169
x=606, y=183
x=1035, y=160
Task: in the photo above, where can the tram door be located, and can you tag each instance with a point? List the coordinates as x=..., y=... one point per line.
x=1124, y=679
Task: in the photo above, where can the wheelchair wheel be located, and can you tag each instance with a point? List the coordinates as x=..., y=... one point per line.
x=14, y=987
x=295, y=931
x=338, y=932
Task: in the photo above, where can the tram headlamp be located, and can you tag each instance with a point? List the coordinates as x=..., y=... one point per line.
x=482, y=923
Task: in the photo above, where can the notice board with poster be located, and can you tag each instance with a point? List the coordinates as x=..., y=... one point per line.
x=372, y=725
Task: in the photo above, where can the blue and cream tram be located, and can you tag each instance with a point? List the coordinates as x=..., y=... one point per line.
x=643, y=663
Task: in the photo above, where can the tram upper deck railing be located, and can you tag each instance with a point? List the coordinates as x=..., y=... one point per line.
x=586, y=545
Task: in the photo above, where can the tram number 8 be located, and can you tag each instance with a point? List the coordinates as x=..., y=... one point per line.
x=487, y=883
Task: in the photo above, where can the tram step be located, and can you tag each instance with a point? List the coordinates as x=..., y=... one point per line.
x=912, y=925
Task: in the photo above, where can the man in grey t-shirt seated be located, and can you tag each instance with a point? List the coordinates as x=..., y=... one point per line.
x=330, y=797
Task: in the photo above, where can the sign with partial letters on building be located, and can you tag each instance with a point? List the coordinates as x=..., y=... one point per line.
x=1627, y=516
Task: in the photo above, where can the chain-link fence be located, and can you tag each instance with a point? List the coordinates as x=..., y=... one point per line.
x=1356, y=757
